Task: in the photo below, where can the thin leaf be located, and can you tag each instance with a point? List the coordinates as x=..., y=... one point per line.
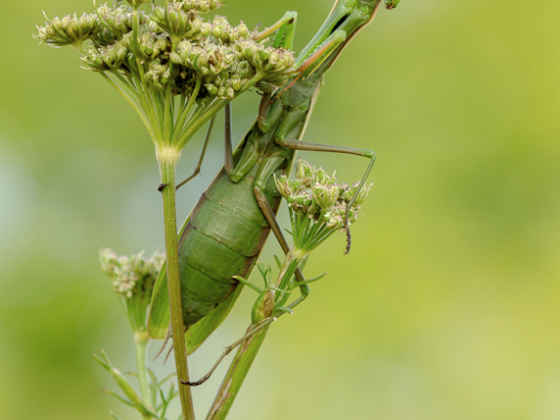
x=153, y=376
x=169, y=399
x=164, y=380
x=114, y=415
x=153, y=386
x=162, y=407
x=278, y=262
x=118, y=397
x=101, y=362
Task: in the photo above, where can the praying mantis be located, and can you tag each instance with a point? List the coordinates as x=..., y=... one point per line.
x=226, y=231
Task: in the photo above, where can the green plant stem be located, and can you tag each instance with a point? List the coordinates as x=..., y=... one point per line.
x=142, y=340
x=235, y=376
x=247, y=352
x=167, y=158
x=287, y=271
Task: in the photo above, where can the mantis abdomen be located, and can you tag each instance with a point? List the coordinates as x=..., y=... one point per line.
x=223, y=238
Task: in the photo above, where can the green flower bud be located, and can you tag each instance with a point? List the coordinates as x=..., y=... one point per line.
x=136, y=3
x=301, y=202
x=108, y=260
x=216, y=31
x=176, y=22
x=157, y=74
x=115, y=55
x=236, y=82
x=70, y=30
x=348, y=193
x=325, y=196
x=244, y=70
x=211, y=88
x=282, y=185
x=93, y=59
x=201, y=6
x=104, y=38
x=243, y=31
x=222, y=30
x=321, y=177
x=119, y=20
x=152, y=45
x=304, y=172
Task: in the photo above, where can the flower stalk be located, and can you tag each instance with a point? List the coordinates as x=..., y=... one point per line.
x=142, y=341
x=133, y=279
x=168, y=161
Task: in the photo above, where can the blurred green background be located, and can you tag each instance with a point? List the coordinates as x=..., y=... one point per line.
x=446, y=308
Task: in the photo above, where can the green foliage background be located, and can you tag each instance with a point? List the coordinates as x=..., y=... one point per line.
x=447, y=307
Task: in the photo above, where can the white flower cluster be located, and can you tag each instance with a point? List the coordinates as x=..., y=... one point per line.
x=132, y=275
x=318, y=205
x=69, y=30
x=173, y=47
x=317, y=195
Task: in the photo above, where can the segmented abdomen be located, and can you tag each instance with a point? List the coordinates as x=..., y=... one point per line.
x=223, y=238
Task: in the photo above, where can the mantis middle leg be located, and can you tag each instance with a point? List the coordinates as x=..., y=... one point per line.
x=200, y=160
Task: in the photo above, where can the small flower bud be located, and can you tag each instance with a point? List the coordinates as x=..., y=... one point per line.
x=136, y=3
x=282, y=185
x=325, y=196
x=243, y=31
x=175, y=21
x=212, y=89
x=201, y=6
x=70, y=30
x=108, y=260
x=304, y=172
x=348, y=193
x=236, y=82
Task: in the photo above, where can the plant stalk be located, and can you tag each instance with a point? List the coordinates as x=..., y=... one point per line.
x=167, y=158
x=236, y=374
x=142, y=340
x=247, y=352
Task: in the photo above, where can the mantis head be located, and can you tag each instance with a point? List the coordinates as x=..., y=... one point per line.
x=391, y=4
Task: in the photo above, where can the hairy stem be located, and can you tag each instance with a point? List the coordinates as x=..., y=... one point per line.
x=167, y=158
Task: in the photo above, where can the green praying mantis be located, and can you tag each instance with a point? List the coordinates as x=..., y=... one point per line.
x=226, y=231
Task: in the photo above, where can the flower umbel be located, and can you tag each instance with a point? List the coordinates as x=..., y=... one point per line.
x=318, y=205
x=180, y=67
x=133, y=279
x=70, y=30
